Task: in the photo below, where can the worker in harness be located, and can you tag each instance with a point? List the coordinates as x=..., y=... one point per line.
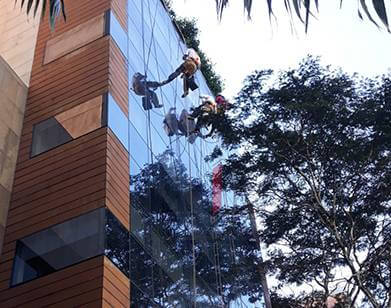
x=207, y=113
x=191, y=63
x=145, y=88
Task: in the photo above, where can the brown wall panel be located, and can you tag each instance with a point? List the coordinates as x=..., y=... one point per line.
x=116, y=277
x=75, y=38
x=35, y=180
x=57, y=154
x=64, y=280
x=84, y=282
x=115, y=285
x=89, y=172
x=60, y=186
x=118, y=77
x=106, y=304
x=91, y=299
x=112, y=299
x=117, y=179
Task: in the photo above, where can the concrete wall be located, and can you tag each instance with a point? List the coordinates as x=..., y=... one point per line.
x=13, y=94
x=18, y=36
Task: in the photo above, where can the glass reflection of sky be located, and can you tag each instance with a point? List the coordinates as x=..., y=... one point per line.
x=154, y=48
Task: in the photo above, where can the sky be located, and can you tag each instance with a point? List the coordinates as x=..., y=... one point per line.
x=237, y=46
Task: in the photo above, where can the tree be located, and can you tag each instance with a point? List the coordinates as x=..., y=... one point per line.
x=311, y=151
x=296, y=7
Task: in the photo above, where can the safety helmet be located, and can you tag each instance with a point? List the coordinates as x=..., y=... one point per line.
x=220, y=100
x=138, y=84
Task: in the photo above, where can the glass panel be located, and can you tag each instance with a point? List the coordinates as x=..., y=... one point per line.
x=117, y=243
x=47, y=135
x=118, y=34
x=67, y=126
x=168, y=178
x=59, y=246
x=118, y=122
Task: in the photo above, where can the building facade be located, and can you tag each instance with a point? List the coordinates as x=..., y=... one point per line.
x=106, y=209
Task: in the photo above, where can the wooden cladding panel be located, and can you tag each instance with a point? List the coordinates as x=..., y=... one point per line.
x=78, y=13
x=87, y=173
x=55, y=155
x=118, y=82
x=63, y=187
x=67, y=78
x=76, y=285
x=116, y=286
x=75, y=38
x=117, y=189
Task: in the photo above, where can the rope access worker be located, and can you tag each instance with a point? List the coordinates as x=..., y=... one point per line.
x=145, y=88
x=188, y=68
x=206, y=113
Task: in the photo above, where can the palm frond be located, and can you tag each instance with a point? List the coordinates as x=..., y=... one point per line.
x=55, y=7
x=302, y=8
x=380, y=9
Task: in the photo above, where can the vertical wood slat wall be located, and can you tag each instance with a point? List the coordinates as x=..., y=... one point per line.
x=89, y=172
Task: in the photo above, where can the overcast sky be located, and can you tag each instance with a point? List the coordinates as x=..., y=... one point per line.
x=238, y=46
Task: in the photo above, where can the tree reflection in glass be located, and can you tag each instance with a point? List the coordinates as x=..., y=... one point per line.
x=158, y=257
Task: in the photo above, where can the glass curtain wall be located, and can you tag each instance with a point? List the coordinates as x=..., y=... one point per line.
x=175, y=255
x=169, y=179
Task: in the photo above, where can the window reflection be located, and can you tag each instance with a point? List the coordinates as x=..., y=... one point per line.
x=59, y=246
x=169, y=178
x=66, y=126
x=118, y=121
x=118, y=34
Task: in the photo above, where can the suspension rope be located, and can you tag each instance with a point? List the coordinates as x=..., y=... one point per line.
x=148, y=126
x=153, y=29
x=192, y=226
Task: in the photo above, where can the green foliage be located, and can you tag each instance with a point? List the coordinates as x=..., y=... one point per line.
x=315, y=151
x=190, y=32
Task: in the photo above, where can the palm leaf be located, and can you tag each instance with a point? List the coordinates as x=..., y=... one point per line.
x=269, y=7
x=29, y=5
x=365, y=8
x=220, y=5
x=307, y=4
x=380, y=9
x=296, y=5
x=36, y=7
x=379, y=6
x=55, y=7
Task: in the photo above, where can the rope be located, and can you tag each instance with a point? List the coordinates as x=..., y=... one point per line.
x=212, y=219
x=192, y=226
x=152, y=32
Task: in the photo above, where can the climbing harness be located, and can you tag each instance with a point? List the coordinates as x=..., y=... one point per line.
x=191, y=63
x=145, y=88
